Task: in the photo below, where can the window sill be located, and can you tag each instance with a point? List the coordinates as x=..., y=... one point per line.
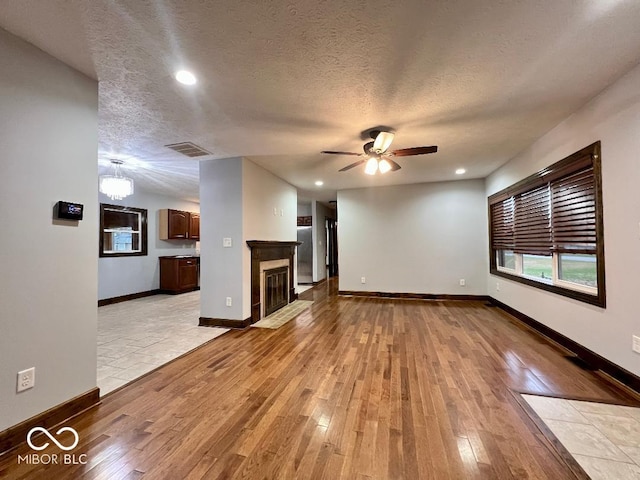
x=597, y=300
x=544, y=281
x=122, y=254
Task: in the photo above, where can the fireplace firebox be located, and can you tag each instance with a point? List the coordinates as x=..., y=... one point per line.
x=275, y=257
x=276, y=289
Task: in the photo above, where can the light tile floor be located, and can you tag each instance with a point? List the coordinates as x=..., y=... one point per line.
x=140, y=335
x=604, y=439
x=303, y=288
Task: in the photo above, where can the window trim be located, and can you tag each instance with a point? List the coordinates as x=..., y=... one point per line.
x=588, y=156
x=143, y=231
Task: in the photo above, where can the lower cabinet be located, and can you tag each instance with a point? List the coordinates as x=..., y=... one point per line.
x=179, y=274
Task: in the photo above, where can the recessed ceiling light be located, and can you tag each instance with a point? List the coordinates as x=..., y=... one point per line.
x=186, y=78
x=460, y=171
x=319, y=183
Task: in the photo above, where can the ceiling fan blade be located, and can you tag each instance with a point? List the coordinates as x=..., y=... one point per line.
x=383, y=141
x=405, y=152
x=340, y=153
x=349, y=167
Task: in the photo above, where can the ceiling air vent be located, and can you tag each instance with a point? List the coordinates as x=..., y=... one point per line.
x=189, y=149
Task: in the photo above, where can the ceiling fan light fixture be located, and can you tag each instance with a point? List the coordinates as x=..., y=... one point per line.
x=383, y=141
x=376, y=157
x=372, y=166
x=384, y=166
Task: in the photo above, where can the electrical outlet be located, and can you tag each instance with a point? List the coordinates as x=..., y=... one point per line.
x=462, y=282
x=498, y=286
x=228, y=301
x=26, y=379
x=635, y=343
x=363, y=280
x=226, y=242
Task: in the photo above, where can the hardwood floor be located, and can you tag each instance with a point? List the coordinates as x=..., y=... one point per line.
x=354, y=388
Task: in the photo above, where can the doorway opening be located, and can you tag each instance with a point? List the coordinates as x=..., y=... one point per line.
x=332, y=247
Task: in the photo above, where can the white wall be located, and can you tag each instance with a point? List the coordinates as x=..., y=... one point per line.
x=304, y=209
x=237, y=200
x=48, y=288
x=262, y=192
x=126, y=275
x=221, y=217
x=420, y=238
x=614, y=118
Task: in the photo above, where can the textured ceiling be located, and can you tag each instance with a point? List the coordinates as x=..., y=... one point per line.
x=279, y=81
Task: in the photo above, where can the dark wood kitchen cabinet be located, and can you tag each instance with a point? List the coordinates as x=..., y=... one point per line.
x=179, y=225
x=179, y=274
x=194, y=226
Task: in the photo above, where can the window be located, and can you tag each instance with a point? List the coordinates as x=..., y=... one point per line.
x=506, y=259
x=579, y=269
x=538, y=267
x=123, y=231
x=546, y=230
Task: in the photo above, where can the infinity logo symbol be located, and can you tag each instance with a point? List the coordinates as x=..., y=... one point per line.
x=46, y=432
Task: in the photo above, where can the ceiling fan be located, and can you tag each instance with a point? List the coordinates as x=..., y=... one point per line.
x=376, y=156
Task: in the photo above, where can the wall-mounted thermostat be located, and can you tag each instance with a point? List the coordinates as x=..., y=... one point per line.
x=69, y=211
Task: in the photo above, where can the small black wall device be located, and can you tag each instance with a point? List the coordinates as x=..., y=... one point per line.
x=70, y=211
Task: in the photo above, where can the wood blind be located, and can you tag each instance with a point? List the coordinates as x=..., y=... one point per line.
x=502, y=237
x=121, y=220
x=532, y=222
x=574, y=213
x=558, y=216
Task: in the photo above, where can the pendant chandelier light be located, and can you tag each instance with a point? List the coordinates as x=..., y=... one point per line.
x=116, y=186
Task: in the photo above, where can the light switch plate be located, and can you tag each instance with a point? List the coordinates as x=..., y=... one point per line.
x=635, y=346
x=226, y=242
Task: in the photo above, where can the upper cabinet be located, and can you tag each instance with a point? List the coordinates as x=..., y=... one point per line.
x=194, y=226
x=179, y=225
